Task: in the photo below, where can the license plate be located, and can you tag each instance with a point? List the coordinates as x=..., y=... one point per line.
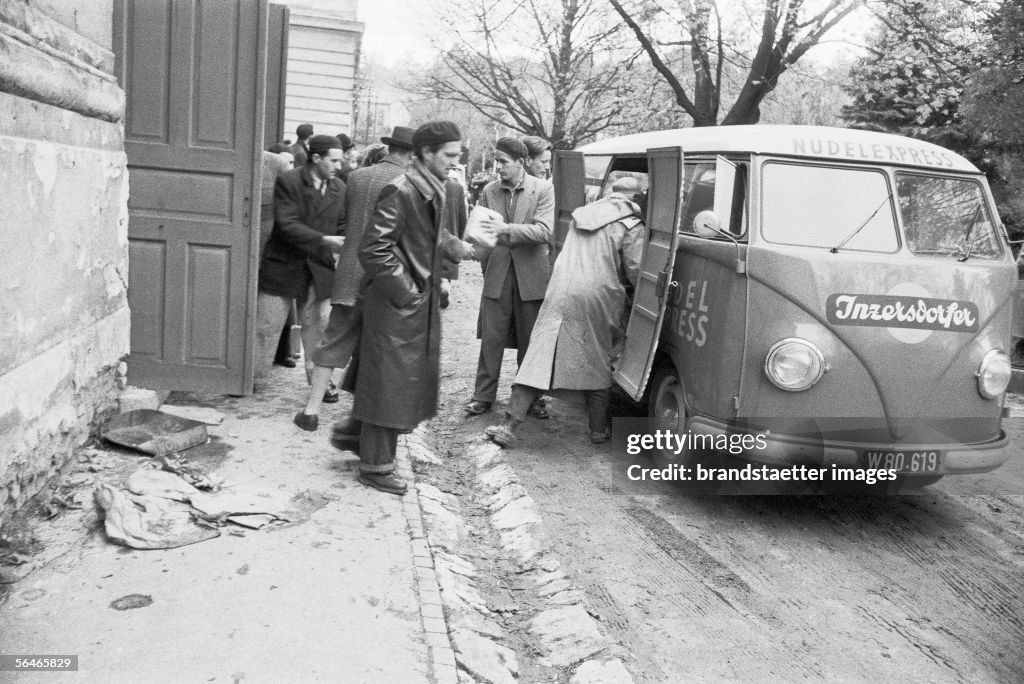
x=904, y=461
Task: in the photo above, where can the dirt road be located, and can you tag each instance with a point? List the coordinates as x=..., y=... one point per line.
x=928, y=587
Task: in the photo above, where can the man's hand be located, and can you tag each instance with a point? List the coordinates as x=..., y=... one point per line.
x=333, y=242
x=471, y=251
x=495, y=226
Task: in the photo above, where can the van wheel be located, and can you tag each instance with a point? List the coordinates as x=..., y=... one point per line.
x=667, y=407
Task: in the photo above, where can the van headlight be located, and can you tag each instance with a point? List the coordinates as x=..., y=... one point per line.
x=994, y=374
x=794, y=364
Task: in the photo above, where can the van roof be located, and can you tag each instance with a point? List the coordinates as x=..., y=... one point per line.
x=844, y=144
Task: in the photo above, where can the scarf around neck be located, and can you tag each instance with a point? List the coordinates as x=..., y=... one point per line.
x=429, y=185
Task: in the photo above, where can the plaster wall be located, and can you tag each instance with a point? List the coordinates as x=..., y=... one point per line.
x=64, y=319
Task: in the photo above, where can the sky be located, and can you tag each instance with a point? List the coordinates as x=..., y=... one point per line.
x=394, y=31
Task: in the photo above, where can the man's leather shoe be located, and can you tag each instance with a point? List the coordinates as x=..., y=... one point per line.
x=502, y=435
x=286, y=361
x=331, y=396
x=306, y=422
x=477, y=407
x=349, y=445
x=385, y=482
x=537, y=410
x=600, y=437
x=347, y=428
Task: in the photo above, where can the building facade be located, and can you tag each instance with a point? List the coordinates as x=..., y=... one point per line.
x=323, y=58
x=63, y=237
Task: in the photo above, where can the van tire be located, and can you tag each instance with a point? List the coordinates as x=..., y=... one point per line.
x=666, y=409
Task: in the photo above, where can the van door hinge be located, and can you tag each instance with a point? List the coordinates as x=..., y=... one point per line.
x=663, y=284
x=736, y=402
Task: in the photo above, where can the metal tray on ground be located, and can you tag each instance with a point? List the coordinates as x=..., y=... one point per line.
x=154, y=432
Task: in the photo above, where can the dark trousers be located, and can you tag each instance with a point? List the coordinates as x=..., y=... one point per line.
x=284, y=344
x=377, y=448
x=597, y=405
x=498, y=317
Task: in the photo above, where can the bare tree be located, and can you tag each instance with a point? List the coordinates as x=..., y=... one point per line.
x=779, y=33
x=554, y=68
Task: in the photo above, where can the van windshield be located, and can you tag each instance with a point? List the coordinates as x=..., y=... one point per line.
x=818, y=206
x=946, y=216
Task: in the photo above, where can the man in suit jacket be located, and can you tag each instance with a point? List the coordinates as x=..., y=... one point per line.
x=341, y=338
x=517, y=270
x=298, y=262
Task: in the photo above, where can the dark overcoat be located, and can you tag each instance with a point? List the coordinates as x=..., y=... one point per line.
x=294, y=257
x=399, y=351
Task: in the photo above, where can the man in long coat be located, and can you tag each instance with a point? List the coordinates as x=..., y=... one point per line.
x=401, y=251
x=341, y=338
x=581, y=325
x=516, y=271
x=298, y=261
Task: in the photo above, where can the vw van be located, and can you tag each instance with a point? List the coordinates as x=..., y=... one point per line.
x=845, y=297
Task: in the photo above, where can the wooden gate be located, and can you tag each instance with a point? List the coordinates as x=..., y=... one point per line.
x=277, y=72
x=195, y=75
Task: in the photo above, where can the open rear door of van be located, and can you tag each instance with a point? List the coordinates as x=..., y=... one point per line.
x=653, y=287
x=569, y=176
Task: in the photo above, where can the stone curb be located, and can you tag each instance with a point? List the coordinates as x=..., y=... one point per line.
x=432, y=618
x=476, y=642
x=570, y=637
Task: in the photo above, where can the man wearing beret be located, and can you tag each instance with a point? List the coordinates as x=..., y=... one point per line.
x=516, y=271
x=341, y=337
x=397, y=370
x=298, y=262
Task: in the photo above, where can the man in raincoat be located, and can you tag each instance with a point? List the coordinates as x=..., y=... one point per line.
x=404, y=242
x=582, y=323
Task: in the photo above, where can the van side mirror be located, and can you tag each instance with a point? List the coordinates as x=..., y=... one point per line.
x=706, y=224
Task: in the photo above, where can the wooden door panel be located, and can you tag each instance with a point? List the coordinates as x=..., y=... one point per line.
x=146, y=297
x=277, y=71
x=147, y=48
x=194, y=75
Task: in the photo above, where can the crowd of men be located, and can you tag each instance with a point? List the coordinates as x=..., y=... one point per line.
x=363, y=255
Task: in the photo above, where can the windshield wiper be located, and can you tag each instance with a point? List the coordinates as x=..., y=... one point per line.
x=835, y=250
x=967, y=235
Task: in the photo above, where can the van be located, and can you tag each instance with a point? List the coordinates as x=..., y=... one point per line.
x=843, y=296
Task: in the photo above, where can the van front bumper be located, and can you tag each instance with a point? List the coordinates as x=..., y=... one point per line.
x=787, y=450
